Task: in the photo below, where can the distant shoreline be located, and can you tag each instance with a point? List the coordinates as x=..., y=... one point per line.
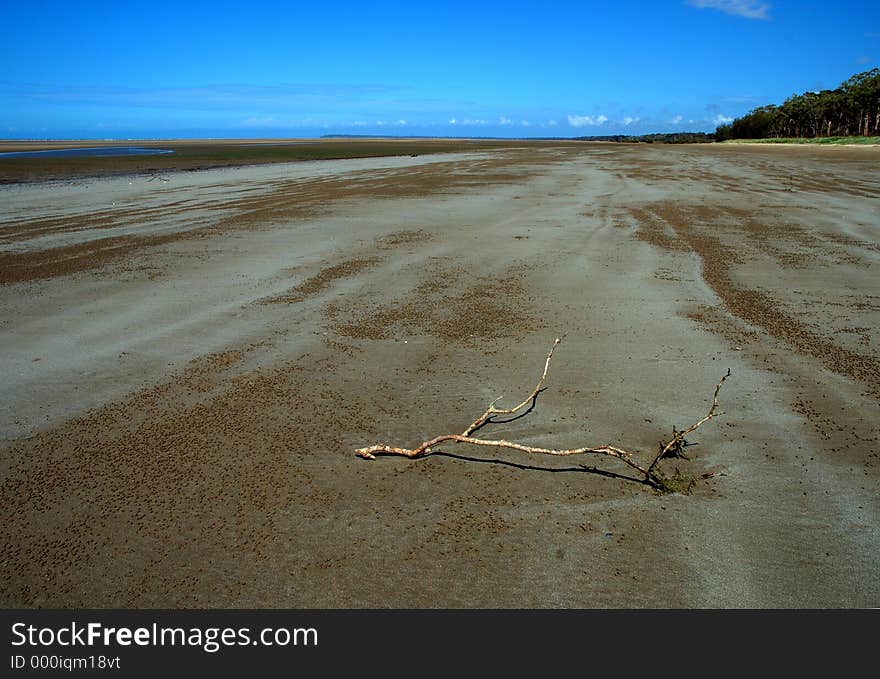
x=200, y=154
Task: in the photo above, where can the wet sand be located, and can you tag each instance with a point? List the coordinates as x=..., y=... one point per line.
x=191, y=360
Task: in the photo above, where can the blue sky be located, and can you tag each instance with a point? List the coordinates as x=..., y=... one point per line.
x=151, y=68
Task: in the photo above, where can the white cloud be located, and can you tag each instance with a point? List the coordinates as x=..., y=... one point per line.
x=276, y=122
x=385, y=123
x=453, y=121
x=629, y=120
x=587, y=121
x=505, y=121
x=722, y=119
x=740, y=100
x=285, y=98
x=255, y=121
x=551, y=123
x=748, y=9
x=676, y=120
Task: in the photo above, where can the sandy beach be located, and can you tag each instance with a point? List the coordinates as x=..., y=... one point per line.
x=191, y=359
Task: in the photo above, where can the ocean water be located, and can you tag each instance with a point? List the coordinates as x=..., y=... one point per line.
x=94, y=151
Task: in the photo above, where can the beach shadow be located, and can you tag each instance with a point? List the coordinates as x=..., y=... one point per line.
x=525, y=412
x=579, y=469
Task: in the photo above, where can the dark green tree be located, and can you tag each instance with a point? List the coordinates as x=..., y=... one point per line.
x=853, y=109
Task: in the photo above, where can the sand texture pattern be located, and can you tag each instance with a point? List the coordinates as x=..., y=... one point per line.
x=190, y=363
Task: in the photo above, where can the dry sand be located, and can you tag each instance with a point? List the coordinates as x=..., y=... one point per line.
x=189, y=365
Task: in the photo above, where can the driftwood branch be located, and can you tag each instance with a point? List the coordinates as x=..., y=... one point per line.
x=677, y=443
x=649, y=473
x=492, y=410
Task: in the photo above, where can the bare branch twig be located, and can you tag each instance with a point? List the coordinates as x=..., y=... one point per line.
x=650, y=474
x=492, y=410
x=678, y=437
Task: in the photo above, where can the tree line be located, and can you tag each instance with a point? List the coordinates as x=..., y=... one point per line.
x=853, y=109
x=658, y=138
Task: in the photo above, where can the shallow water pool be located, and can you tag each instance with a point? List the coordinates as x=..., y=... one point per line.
x=93, y=152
